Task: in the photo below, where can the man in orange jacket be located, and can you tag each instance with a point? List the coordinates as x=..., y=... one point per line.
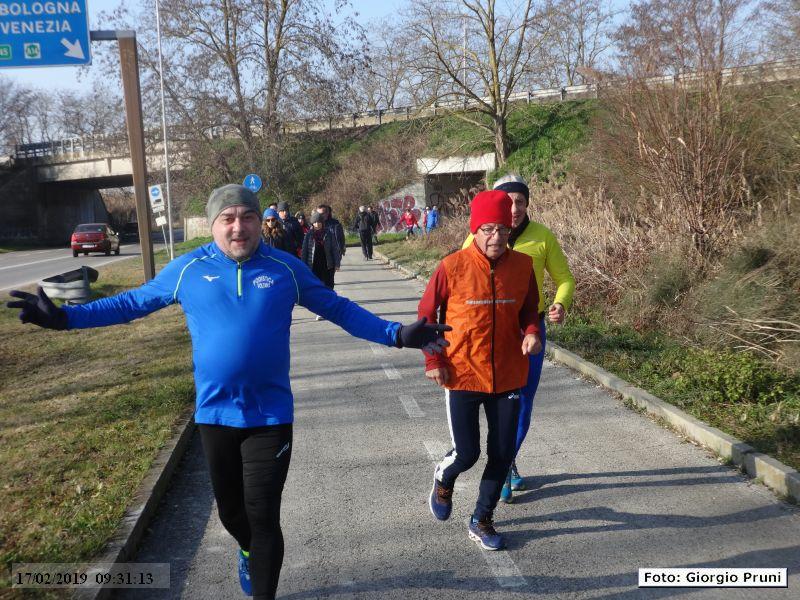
x=488, y=294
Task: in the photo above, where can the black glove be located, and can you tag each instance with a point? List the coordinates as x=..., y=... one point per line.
x=421, y=335
x=39, y=310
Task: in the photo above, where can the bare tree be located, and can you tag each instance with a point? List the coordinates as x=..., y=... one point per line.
x=581, y=32
x=480, y=55
x=15, y=117
x=303, y=51
x=683, y=141
x=782, y=22
x=673, y=36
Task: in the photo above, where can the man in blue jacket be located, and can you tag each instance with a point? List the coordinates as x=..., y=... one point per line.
x=432, y=220
x=239, y=289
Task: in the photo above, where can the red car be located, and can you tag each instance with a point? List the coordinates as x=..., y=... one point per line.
x=94, y=237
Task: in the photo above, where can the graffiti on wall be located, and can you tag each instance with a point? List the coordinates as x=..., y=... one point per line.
x=390, y=211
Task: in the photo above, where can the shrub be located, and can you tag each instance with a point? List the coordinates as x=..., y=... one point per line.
x=733, y=378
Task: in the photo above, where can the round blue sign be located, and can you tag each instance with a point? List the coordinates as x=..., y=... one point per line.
x=252, y=182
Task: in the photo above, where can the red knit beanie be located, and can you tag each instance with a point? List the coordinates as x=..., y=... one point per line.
x=492, y=206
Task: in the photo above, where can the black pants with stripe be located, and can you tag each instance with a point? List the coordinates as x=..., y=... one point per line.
x=502, y=414
x=248, y=470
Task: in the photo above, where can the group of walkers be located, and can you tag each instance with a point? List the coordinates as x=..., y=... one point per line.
x=481, y=328
x=430, y=221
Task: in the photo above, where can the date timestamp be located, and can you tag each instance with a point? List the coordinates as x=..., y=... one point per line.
x=76, y=575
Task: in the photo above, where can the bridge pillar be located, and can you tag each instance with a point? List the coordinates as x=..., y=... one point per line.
x=61, y=208
x=44, y=213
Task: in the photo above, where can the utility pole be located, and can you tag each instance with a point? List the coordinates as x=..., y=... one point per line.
x=164, y=128
x=464, y=61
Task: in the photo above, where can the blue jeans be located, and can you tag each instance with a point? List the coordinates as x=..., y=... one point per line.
x=529, y=391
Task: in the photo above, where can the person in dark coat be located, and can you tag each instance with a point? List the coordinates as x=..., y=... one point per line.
x=321, y=251
x=365, y=227
x=275, y=235
x=332, y=223
x=376, y=221
x=301, y=218
x=291, y=225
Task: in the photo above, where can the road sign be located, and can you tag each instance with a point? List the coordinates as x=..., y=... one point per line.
x=161, y=221
x=34, y=33
x=252, y=182
x=156, y=198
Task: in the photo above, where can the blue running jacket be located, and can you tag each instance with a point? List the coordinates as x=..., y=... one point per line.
x=238, y=315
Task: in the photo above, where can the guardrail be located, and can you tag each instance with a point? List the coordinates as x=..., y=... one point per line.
x=94, y=146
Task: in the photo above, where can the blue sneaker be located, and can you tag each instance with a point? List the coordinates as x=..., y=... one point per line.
x=441, y=500
x=517, y=482
x=244, y=573
x=505, y=494
x=483, y=533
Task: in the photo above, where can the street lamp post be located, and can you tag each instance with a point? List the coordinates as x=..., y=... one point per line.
x=164, y=127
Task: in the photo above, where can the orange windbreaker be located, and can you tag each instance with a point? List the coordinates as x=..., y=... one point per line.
x=487, y=305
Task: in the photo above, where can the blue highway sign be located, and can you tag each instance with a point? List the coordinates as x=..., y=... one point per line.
x=44, y=33
x=252, y=182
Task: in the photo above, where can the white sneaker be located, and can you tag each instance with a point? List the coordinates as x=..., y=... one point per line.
x=319, y=318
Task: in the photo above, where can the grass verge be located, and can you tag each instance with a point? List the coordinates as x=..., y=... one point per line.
x=734, y=391
x=82, y=416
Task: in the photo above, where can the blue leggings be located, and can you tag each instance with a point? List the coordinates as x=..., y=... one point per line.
x=529, y=391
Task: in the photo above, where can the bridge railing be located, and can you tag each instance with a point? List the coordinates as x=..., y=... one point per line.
x=93, y=146
x=73, y=147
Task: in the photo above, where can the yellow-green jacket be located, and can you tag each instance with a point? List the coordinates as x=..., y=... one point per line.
x=538, y=242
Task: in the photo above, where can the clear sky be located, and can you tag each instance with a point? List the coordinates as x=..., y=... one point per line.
x=67, y=77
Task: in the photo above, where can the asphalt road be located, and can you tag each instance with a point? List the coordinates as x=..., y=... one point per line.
x=26, y=267
x=610, y=491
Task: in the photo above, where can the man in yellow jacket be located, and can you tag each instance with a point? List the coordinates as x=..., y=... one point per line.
x=538, y=242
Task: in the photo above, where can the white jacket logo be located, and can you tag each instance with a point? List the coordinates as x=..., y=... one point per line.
x=263, y=281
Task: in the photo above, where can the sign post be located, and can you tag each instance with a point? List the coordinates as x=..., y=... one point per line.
x=157, y=205
x=44, y=34
x=129, y=65
x=252, y=182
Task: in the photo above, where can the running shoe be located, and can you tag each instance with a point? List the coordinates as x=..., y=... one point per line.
x=505, y=494
x=517, y=482
x=483, y=533
x=441, y=500
x=244, y=573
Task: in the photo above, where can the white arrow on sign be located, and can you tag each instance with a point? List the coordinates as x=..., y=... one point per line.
x=74, y=50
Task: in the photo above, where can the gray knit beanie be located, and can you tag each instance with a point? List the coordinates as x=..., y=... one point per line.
x=316, y=217
x=230, y=195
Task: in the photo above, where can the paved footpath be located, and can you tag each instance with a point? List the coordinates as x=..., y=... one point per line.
x=610, y=490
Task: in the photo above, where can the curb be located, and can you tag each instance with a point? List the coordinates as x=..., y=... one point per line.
x=780, y=478
x=122, y=546
x=394, y=264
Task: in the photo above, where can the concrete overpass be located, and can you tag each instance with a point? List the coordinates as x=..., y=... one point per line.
x=50, y=187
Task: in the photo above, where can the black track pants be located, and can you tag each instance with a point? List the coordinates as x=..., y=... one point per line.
x=502, y=414
x=366, y=242
x=248, y=469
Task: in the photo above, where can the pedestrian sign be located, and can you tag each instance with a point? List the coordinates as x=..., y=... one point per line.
x=156, y=198
x=252, y=182
x=38, y=33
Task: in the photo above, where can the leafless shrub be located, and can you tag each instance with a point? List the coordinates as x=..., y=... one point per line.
x=768, y=337
x=603, y=245
x=370, y=174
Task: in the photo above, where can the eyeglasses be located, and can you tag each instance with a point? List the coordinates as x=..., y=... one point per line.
x=271, y=220
x=498, y=229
